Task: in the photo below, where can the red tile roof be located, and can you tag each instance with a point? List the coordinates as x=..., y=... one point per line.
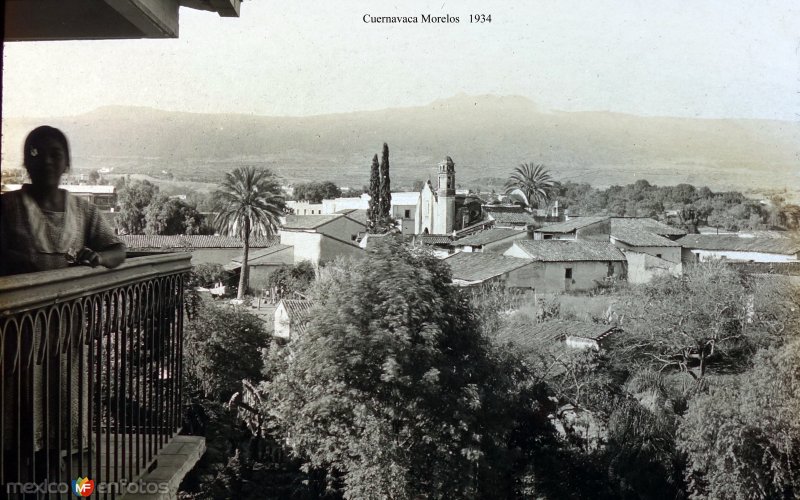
x=297, y=309
x=569, y=251
x=736, y=243
x=478, y=266
x=144, y=241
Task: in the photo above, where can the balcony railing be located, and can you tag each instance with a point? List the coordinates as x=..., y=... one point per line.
x=90, y=364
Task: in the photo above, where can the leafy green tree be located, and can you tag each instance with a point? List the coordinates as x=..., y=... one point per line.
x=533, y=181
x=687, y=323
x=94, y=177
x=204, y=202
x=374, y=195
x=641, y=456
x=315, y=192
x=133, y=201
x=250, y=205
x=789, y=216
x=385, y=203
x=295, y=278
x=223, y=347
x=172, y=216
x=393, y=388
x=742, y=438
x=692, y=217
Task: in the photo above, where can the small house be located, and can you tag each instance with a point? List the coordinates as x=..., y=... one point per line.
x=291, y=318
x=740, y=247
x=322, y=238
x=496, y=240
x=569, y=265
x=576, y=228
x=473, y=268
x=262, y=263
x=510, y=217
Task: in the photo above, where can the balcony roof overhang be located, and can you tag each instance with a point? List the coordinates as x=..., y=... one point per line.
x=40, y=20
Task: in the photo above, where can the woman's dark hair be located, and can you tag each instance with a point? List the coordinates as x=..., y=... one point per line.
x=38, y=135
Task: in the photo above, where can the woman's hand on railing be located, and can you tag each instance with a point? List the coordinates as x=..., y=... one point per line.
x=88, y=257
x=110, y=257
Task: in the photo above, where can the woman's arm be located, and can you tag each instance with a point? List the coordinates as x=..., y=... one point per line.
x=110, y=257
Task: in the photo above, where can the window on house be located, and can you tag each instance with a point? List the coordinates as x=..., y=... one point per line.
x=658, y=255
x=568, y=273
x=548, y=236
x=408, y=214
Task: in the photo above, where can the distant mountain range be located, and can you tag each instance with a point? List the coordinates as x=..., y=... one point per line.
x=487, y=136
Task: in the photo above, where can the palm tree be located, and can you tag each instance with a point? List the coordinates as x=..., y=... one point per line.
x=533, y=182
x=250, y=204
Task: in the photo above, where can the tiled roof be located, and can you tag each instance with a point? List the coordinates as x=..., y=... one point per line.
x=297, y=309
x=489, y=236
x=140, y=241
x=640, y=238
x=357, y=214
x=645, y=224
x=568, y=251
x=550, y=332
x=434, y=239
x=477, y=267
x=309, y=221
x=510, y=215
x=736, y=243
x=571, y=225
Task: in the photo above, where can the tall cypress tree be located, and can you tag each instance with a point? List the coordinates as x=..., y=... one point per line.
x=385, y=206
x=374, y=195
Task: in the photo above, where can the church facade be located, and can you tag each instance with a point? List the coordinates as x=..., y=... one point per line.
x=436, y=209
x=442, y=211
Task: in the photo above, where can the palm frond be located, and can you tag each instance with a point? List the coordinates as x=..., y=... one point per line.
x=534, y=181
x=249, y=194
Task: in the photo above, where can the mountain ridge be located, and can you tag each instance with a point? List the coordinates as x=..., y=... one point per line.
x=486, y=135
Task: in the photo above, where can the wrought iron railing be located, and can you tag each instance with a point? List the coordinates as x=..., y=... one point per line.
x=90, y=364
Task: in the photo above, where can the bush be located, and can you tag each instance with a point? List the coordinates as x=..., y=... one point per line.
x=223, y=347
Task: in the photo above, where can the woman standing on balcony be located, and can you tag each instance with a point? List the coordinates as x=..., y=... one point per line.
x=43, y=227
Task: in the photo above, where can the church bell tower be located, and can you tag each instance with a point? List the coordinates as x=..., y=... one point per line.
x=444, y=219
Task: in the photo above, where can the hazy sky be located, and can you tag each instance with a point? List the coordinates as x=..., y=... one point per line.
x=721, y=58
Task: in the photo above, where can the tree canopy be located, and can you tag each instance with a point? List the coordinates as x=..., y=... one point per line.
x=223, y=347
x=315, y=192
x=385, y=203
x=742, y=437
x=393, y=388
x=133, y=200
x=374, y=191
x=687, y=323
x=172, y=216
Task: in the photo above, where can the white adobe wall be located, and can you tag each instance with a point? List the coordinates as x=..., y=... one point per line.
x=307, y=245
x=745, y=256
x=281, y=322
